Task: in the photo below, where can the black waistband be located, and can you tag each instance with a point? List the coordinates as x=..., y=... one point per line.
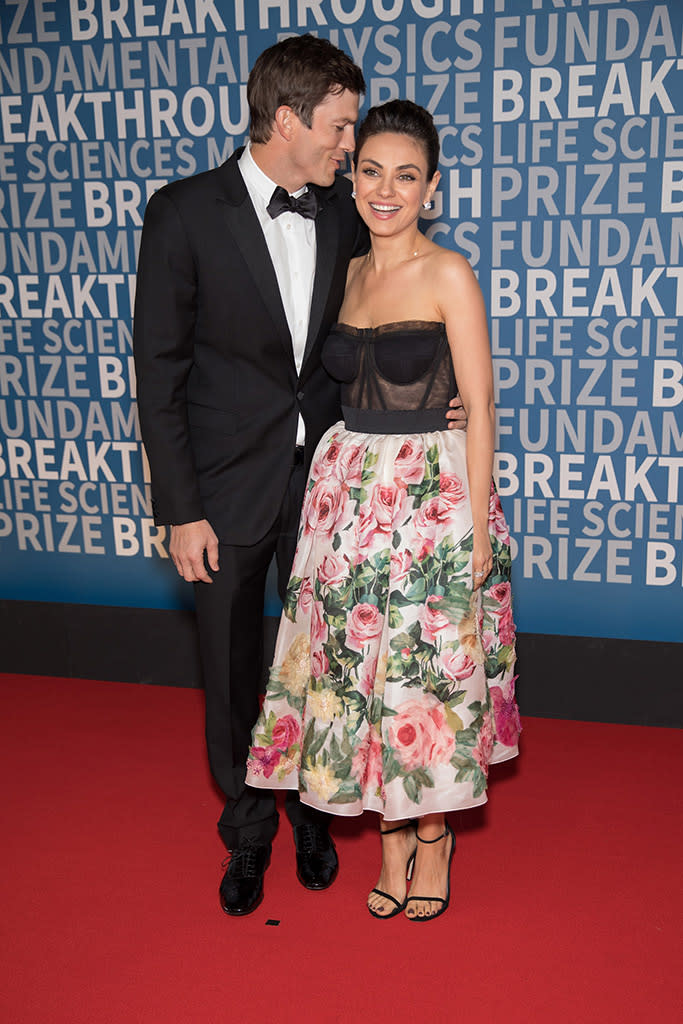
x=394, y=421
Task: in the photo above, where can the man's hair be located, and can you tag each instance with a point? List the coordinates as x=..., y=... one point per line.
x=404, y=118
x=298, y=72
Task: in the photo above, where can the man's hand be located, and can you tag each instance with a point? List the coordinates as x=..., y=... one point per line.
x=456, y=415
x=189, y=541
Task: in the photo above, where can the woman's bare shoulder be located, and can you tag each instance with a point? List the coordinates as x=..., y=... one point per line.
x=451, y=267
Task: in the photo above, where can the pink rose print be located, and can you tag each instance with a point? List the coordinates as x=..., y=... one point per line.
x=430, y=516
x=419, y=733
x=318, y=625
x=367, y=528
x=367, y=676
x=306, y=595
x=366, y=765
x=484, y=748
x=497, y=525
x=489, y=642
x=506, y=714
x=364, y=625
x=401, y=564
x=387, y=503
x=409, y=464
x=333, y=570
x=457, y=665
x=319, y=664
x=285, y=732
x=500, y=592
x=351, y=465
x=425, y=549
x=323, y=506
x=264, y=760
x=451, y=490
x=326, y=463
x=432, y=619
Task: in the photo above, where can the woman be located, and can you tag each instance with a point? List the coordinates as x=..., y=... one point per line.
x=392, y=688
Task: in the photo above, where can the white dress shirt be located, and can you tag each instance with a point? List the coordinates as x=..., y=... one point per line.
x=291, y=243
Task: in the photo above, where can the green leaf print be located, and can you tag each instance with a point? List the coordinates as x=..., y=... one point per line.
x=416, y=593
x=374, y=710
x=368, y=474
x=313, y=742
x=335, y=752
x=413, y=789
x=292, y=597
x=423, y=776
x=346, y=745
x=356, y=703
x=394, y=667
x=479, y=783
x=467, y=737
x=346, y=796
x=265, y=738
x=395, y=617
x=399, y=599
x=454, y=721
x=391, y=768
x=401, y=641
x=415, y=631
x=455, y=605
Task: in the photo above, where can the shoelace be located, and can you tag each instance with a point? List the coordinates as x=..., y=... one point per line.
x=309, y=837
x=242, y=861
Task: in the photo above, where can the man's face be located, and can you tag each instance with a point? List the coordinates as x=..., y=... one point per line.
x=318, y=152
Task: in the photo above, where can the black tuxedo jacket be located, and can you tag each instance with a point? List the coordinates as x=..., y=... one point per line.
x=218, y=390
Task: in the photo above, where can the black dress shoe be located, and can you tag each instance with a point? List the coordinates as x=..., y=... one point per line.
x=316, y=857
x=241, y=890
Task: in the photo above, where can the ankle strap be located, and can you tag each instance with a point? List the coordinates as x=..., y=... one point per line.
x=399, y=828
x=428, y=841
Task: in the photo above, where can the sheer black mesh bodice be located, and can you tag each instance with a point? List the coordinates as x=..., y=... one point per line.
x=396, y=379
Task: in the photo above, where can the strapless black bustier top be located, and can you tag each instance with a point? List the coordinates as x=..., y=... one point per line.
x=396, y=379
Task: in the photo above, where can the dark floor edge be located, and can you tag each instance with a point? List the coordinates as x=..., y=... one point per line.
x=587, y=678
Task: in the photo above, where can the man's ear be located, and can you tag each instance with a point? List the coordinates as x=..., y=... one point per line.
x=285, y=122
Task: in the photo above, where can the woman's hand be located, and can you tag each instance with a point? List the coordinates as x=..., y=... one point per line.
x=456, y=415
x=482, y=560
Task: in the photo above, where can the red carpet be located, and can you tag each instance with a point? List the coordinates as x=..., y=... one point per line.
x=567, y=897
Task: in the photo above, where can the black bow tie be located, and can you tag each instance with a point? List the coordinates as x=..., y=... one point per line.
x=282, y=202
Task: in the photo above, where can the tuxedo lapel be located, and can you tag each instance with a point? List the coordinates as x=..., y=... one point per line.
x=236, y=209
x=326, y=240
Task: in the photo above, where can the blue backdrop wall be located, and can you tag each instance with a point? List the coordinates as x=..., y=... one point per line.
x=561, y=125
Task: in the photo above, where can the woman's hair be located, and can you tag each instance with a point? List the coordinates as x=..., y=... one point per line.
x=404, y=118
x=298, y=72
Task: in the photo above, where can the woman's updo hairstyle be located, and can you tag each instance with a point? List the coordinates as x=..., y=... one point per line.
x=404, y=118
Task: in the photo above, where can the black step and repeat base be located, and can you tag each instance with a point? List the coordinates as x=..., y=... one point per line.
x=587, y=678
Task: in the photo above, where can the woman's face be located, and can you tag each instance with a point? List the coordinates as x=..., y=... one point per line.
x=391, y=182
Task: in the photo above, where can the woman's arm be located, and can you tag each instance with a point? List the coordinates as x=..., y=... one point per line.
x=462, y=308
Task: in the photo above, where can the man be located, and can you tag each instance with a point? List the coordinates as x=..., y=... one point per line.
x=238, y=284
x=241, y=274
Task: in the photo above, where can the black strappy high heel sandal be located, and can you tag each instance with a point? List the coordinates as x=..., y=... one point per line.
x=448, y=831
x=398, y=907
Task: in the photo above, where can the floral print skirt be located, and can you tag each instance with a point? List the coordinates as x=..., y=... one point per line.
x=392, y=687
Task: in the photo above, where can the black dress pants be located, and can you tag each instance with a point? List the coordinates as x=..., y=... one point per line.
x=230, y=620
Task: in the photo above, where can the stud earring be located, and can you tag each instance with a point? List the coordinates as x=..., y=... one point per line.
x=428, y=205
x=353, y=194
